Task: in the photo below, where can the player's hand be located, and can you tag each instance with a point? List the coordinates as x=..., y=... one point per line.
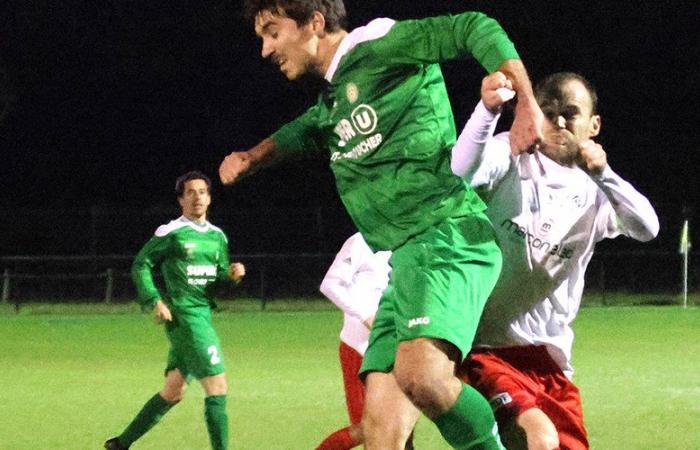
x=236, y=271
x=490, y=94
x=233, y=167
x=526, y=131
x=368, y=322
x=162, y=312
x=591, y=157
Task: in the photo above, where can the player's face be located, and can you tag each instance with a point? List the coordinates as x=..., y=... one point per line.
x=569, y=120
x=288, y=45
x=195, y=199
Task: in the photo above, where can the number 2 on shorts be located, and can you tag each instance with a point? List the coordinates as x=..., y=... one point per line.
x=214, y=352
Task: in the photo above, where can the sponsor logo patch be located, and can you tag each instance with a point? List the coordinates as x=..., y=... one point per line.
x=418, y=321
x=500, y=400
x=352, y=92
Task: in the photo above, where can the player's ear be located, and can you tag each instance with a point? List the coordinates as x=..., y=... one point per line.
x=318, y=24
x=594, y=126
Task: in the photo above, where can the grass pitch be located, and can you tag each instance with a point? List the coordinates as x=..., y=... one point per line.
x=72, y=378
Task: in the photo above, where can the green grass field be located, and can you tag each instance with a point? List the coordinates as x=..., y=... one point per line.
x=72, y=377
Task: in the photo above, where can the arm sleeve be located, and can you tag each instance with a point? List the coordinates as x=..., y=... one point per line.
x=628, y=211
x=300, y=135
x=218, y=286
x=338, y=283
x=436, y=39
x=469, y=148
x=224, y=261
x=148, y=258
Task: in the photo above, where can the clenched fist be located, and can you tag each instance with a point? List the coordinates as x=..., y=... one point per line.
x=489, y=95
x=236, y=271
x=591, y=157
x=233, y=166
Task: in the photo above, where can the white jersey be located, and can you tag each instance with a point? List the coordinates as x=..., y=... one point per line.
x=355, y=283
x=548, y=219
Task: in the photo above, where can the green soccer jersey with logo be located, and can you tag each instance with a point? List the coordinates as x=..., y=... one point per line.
x=192, y=258
x=387, y=122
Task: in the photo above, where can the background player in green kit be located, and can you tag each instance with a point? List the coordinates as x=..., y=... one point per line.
x=386, y=122
x=192, y=255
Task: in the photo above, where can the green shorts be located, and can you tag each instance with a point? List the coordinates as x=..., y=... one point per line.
x=194, y=346
x=440, y=281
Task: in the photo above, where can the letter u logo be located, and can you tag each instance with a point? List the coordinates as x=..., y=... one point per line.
x=364, y=118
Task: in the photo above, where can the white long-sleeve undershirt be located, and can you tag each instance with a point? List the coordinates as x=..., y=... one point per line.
x=355, y=282
x=548, y=219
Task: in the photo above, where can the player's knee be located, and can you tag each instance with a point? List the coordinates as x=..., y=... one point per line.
x=428, y=392
x=373, y=422
x=379, y=431
x=542, y=441
x=173, y=395
x=540, y=432
x=215, y=385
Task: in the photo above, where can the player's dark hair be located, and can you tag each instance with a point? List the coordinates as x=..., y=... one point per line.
x=189, y=176
x=550, y=88
x=301, y=11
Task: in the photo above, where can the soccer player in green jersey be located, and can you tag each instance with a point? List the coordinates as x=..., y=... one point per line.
x=192, y=256
x=386, y=122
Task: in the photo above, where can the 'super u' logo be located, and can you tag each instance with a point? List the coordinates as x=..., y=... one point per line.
x=364, y=119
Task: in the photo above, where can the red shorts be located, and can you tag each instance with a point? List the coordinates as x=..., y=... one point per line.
x=350, y=362
x=515, y=379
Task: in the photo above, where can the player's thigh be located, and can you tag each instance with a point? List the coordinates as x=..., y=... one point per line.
x=432, y=359
x=388, y=413
x=442, y=279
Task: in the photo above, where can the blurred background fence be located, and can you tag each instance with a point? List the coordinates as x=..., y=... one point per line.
x=85, y=254
x=289, y=275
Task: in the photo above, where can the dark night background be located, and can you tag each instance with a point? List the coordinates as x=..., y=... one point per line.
x=105, y=103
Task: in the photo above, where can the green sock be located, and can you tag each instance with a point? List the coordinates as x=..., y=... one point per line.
x=470, y=423
x=217, y=421
x=150, y=414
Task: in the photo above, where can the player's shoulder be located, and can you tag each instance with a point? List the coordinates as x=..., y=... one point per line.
x=375, y=29
x=366, y=34
x=357, y=243
x=218, y=230
x=182, y=224
x=170, y=227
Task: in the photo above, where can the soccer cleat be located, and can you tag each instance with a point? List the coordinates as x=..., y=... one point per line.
x=114, y=444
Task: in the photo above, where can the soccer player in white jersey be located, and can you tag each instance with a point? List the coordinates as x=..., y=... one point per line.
x=549, y=209
x=355, y=282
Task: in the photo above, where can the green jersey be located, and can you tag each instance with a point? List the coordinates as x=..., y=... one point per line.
x=192, y=259
x=386, y=120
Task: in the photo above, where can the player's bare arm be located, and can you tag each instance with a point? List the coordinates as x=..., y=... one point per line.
x=591, y=157
x=162, y=312
x=239, y=164
x=236, y=271
x=526, y=131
